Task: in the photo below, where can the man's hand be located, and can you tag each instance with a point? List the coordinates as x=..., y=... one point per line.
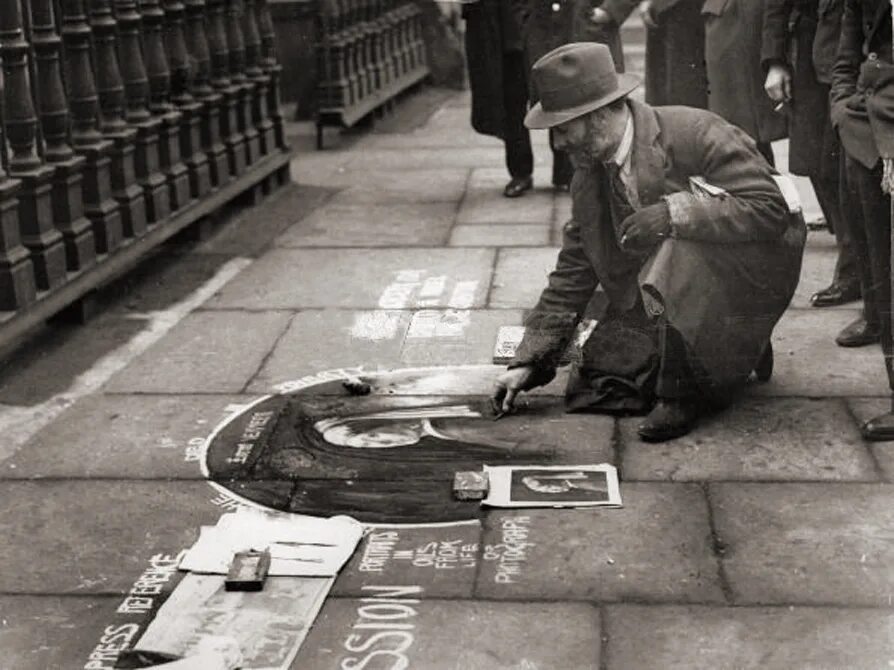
x=644, y=229
x=509, y=384
x=778, y=84
x=645, y=11
x=600, y=16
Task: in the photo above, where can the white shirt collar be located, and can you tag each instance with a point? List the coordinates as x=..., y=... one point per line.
x=623, y=154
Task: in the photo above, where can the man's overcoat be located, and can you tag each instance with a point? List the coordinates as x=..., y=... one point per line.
x=675, y=55
x=735, y=77
x=803, y=34
x=722, y=280
x=492, y=30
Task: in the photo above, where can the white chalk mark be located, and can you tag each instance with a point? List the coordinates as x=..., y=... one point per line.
x=375, y=326
x=19, y=424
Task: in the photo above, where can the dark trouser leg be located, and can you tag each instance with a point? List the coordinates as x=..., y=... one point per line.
x=829, y=197
x=766, y=151
x=563, y=170
x=876, y=214
x=675, y=377
x=853, y=175
x=519, y=155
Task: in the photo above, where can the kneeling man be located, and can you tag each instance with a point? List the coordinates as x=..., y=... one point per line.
x=694, y=239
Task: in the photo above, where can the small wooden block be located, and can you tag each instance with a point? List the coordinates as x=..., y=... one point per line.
x=470, y=485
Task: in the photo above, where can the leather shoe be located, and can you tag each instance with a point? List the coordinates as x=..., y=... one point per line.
x=836, y=294
x=669, y=418
x=858, y=334
x=763, y=370
x=517, y=186
x=879, y=429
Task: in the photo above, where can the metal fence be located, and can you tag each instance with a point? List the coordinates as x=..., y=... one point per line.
x=123, y=121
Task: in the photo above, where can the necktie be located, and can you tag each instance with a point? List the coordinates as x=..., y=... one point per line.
x=621, y=206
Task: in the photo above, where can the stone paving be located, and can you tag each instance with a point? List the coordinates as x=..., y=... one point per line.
x=765, y=539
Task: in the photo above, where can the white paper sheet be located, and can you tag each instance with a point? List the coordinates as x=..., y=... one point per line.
x=299, y=545
x=269, y=626
x=552, y=486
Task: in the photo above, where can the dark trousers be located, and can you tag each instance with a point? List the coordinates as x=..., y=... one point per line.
x=829, y=196
x=870, y=212
x=519, y=155
x=676, y=379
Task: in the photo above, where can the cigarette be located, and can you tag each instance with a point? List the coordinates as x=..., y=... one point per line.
x=778, y=108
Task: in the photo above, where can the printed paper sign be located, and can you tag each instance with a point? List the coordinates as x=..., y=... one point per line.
x=553, y=486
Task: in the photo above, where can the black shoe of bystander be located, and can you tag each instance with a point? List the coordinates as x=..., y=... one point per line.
x=517, y=186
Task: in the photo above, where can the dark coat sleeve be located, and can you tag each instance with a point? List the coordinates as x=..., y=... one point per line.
x=752, y=210
x=775, y=32
x=847, y=63
x=550, y=326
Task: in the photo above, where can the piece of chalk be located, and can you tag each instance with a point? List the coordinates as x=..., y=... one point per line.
x=470, y=485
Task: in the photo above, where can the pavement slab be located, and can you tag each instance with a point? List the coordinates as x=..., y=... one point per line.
x=455, y=337
x=499, y=235
x=784, y=439
x=810, y=544
x=450, y=634
x=810, y=364
x=365, y=225
x=398, y=160
x=520, y=276
x=442, y=560
x=483, y=206
x=60, y=633
x=657, y=548
x=380, y=187
x=353, y=338
x=366, y=279
x=122, y=436
x=208, y=351
x=95, y=537
x=746, y=638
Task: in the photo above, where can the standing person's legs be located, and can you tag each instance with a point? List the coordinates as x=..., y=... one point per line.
x=877, y=216
x=845, y=285
x=519, y=155
x=766, y=150
x=865, y=330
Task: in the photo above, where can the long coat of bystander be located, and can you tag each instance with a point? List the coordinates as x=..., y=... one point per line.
x=733, y=37
x=675, y=55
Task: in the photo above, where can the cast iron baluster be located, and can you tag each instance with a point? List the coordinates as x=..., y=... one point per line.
x=68, y=179
x=236, y=43
x=260, y=115
x=100, y=206
x=190, y=133
x=159, y=102
x=130, y=53
x=39, y=235
x=79, y=74
x=273, y=68
x=200, y=54
x=220, y=79
x=130, y=195
x=17, y=285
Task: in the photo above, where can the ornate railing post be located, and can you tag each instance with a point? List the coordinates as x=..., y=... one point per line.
x=236, y=42
x=191, y=109
x=234, y=139
x=35, y=198
x=200, y=55
x=68, y=181
x=253, y=70
x=270, y=66
x=17, y=285
x=100, y=207
x=159, y=102
x=130, y=187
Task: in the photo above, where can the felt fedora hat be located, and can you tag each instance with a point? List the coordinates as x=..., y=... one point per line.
x=575, y=79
